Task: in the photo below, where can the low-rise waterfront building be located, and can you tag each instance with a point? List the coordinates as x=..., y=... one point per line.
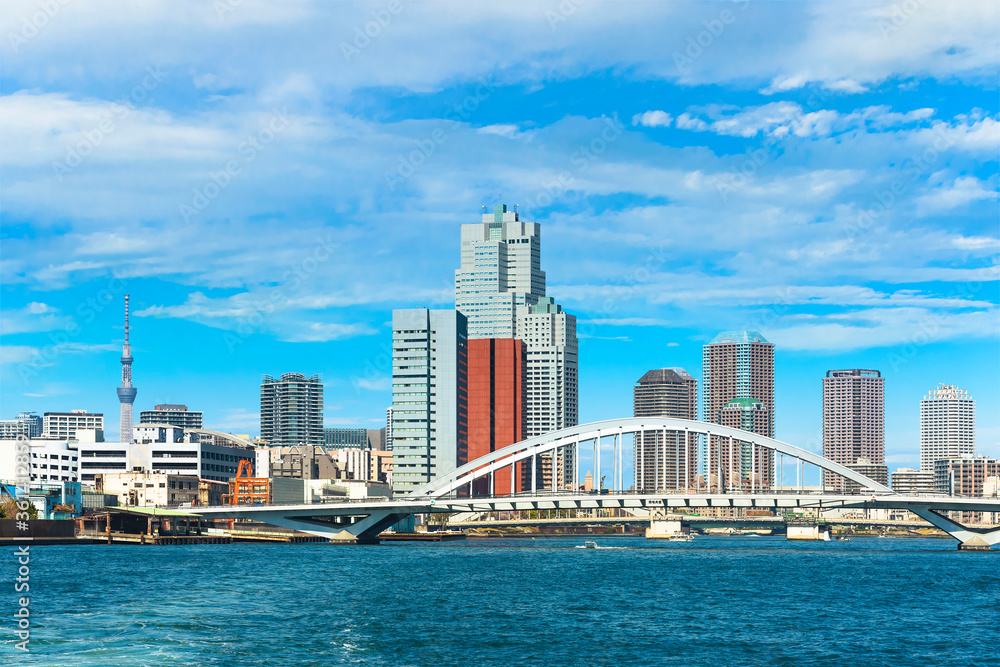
x=909, y=481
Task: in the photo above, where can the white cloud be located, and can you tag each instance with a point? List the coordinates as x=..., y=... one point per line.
x=652, y=119
x=507, y=130
x=959, y=192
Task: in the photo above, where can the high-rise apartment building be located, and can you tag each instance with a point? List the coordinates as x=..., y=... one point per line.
x=27, y=424
x=64, y=425
x=739, y=365
x=501, y=270
x=497, y=368
x=172, y=414
x=665, y=460
x=291, y=410
x=388, y=428
x=853, y=421
x=947, y=425
x=429, y=395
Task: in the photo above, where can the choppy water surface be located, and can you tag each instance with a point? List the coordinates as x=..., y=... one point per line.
x=715, y=601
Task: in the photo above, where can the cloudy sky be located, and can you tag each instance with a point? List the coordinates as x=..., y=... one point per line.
x=269, y=180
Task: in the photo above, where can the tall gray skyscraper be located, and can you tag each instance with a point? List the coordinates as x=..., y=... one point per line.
x=291, y=410
x=500, y=288
x=947, y=425
x=501, y=270
x=429, y=395
x=853, y=420
x=126, y=392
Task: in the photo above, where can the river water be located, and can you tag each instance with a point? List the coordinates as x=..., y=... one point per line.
x=714, y=601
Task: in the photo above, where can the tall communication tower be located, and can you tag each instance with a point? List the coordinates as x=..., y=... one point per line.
x=126, y=392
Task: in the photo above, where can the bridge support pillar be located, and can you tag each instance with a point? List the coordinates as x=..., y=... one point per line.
x=970, y=539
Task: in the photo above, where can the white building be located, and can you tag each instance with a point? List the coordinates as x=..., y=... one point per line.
x=168, y=449
x=142, y=488
x=64, y=425
x=27, y=424
x=429, y=395
x=909, y=481
x=52, y=460
x=947, y=425
x=553, y=364
x=501, y=270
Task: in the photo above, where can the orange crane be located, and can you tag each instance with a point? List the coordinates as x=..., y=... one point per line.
x=247, y=490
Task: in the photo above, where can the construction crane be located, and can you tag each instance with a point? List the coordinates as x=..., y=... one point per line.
x=247, y=490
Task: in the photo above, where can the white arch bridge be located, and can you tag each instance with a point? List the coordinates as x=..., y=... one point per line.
x=736, y=469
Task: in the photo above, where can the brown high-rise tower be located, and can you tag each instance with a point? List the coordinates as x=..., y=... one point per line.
x=666, y=460
x=739, y=365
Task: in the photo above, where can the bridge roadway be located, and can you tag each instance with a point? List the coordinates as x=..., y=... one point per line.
x=362, y=521
x=685, y=519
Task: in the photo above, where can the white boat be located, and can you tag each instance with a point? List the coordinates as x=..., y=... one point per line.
x=589, y=545
x=681, y=537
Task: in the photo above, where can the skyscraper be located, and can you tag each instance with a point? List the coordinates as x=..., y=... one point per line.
x=429, y=395
x=126, y=392
x=739, y=365
x=497, y=369
x=291, y=410
x=501, y=270
x=500, y=288
x=388, y=428
x=660, y=457
x=853, y=421
x=553, y=366
x=947, y=425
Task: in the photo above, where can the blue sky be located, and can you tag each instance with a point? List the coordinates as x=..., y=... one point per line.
x=268, y=182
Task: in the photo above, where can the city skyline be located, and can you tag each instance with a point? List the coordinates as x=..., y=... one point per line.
x=844, y=206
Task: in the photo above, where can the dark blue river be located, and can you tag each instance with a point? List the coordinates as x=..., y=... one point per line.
x=715, y=601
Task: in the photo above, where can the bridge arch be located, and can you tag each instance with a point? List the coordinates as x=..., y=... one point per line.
x=549, y=443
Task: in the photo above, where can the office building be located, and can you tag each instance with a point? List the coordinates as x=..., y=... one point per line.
x=173, y=414
x=660, y=457
x=853, y=421
x=429, y=395
x=739, y=365
x=345, y=438
x=964, y=475
x=27, y=424
x=947, y=425
x=500, y=270
x=291, y=410
x=552, y=367
x=171, y=452
x=64, y=425
x=353, y=438
x=496, y=368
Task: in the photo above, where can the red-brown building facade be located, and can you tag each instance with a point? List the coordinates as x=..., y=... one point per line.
x=497, y=376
